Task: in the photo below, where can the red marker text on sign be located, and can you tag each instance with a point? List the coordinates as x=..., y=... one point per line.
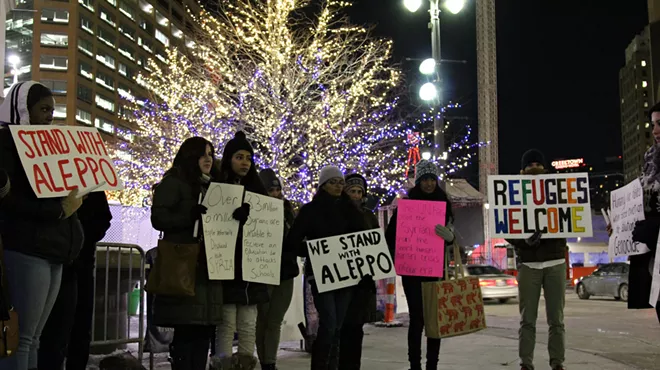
x=99, y=168
x=44, y=142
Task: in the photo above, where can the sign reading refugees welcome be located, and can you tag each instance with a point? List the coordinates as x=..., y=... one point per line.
x=58, y=159
x=557, y=204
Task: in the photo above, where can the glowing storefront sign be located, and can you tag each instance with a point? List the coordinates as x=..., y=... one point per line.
x=568, y=163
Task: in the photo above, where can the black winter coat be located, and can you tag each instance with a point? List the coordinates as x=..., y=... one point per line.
x=289, y=268
x=170, y=213
x=390, y=233
x=30, y=225
x=323, y=217
x=95, y=217
x=238, y=291
x=640, y=276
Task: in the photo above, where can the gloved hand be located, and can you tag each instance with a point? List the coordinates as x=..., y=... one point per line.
x=367, y=284
x=646, y=232
x=535, y=239
x=197, y=211
x=445, y=233
x=71, y=203
x=242, y=213
x=5, y=184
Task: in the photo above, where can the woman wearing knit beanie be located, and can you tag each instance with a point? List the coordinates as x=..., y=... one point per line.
x=427, y=189
x=239, y=311
x=330, y=213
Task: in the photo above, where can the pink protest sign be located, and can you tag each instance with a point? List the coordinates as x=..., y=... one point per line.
x=419, y=252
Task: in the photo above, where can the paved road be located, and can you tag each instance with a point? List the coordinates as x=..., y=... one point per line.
x=601, y=334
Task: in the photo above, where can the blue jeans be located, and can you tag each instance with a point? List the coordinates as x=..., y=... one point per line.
x=332, y=308
x=33, y=287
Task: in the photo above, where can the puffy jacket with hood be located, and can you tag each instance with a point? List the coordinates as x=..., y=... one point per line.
x=30, y=225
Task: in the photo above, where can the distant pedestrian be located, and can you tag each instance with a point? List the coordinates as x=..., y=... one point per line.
x=543, y=268
x=641, y=266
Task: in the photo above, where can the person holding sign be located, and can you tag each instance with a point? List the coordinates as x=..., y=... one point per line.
x=40, y=235
x=330, y=213
x=239, y=313
x=174, y=212
x=363, y=302
x=271, y=314
x=543, y=268
x=426, y=188
x=646, y=232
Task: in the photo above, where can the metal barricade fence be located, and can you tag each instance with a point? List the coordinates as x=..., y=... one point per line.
x=122, y=267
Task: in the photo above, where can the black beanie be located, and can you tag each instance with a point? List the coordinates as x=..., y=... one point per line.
x=239, y=142
x=270, y=179
x=532, y=156
x=355, y=179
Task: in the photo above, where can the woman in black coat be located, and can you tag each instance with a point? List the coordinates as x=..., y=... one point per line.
x=426, y=188
x=330, y=213
x=175, y=211
x=239, y=313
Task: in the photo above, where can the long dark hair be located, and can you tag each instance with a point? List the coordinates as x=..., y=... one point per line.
x=186, y=161
x=250, y=181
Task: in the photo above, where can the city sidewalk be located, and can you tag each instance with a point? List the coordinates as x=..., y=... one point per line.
x=386, y=349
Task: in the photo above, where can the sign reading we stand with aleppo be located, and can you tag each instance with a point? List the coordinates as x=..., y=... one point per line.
x=58, y=159
x=557, y=204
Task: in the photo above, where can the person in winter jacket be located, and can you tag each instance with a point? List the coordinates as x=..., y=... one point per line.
x=68, y=331
x=543, y=268
x=271, y=314
x=40, y=235
x=363, y=301
x=427, y=189
x=174, y=212
x=239, y=313
x=646, y=232
x=330, y=213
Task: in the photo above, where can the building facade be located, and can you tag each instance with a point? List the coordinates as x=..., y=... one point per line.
x=636, y=94
x=89, y=52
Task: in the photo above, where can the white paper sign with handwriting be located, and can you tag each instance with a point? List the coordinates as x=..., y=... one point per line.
x=262, y=239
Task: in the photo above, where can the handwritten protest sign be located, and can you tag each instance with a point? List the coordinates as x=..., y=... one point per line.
x=627, y=207
x=262, y=239
x=557, y=204
x=220, y=228
x=58, y=159
x=342, y=261
x=419, y=252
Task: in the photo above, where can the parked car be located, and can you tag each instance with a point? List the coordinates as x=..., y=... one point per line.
x=494, y=283
x=608, y=280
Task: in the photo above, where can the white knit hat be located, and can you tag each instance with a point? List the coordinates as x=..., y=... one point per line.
x=424, y=168
x=328, y=173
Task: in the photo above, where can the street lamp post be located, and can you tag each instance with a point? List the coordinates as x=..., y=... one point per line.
x=454, y=6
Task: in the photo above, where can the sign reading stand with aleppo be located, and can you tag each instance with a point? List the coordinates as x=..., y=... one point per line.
x=58, y=159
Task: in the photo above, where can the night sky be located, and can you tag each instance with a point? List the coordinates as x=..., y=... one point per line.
x=558, y=65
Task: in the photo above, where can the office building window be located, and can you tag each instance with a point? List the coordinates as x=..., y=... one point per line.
x=107, y=16
x=85, y=93
x=127, y=10
x=54, y=40
x=106, y=59
x=147, y=26
x=51, y=62
x=160, y=54
x=142, y=61
x=177, y=32
x=85, y=70
x=88, y=4
x=104, y=124
x=127, y=31
x=105, y=81
x=126, y=51
x=643, y=63
x=126, y=71
x=162, y=38
x=56, y=86
x=644, y=84
x=164, y=3
x=112, y=2
x=86, y=47
x=105, y=103
x=55, y=16
x=106, y=36
x=177, y=16
x=146, y=44
x=161, y=19
x=83, y=116
x=86, y=24
x=125, y=92
x=146, y=7
x=60, y=111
